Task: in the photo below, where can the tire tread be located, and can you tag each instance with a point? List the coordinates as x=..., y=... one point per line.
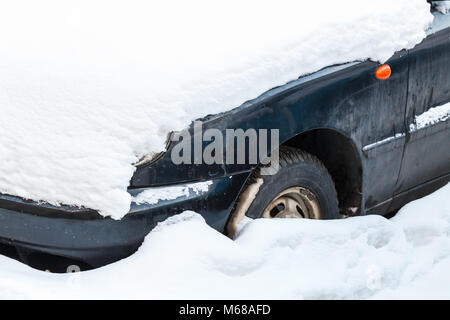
x=291, y=155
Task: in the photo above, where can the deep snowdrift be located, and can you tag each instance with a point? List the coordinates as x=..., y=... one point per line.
x=88, y=87
x=364, y=257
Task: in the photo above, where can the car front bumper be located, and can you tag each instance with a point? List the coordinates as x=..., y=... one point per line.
x=83, y=235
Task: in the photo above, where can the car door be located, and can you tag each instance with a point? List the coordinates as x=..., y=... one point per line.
x=426, y=157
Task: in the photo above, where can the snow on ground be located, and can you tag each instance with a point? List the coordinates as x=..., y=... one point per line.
x=362, y=257
x=88, y=87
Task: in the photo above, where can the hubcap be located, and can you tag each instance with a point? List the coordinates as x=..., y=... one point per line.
x=295, y=202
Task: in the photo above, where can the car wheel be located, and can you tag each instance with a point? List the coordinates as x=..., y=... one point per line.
x=301, y=188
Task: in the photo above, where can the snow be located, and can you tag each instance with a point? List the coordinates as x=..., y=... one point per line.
x=154, y=195
x=88, y=87
x=366, y=257
x=442, y=6
x=431, y=117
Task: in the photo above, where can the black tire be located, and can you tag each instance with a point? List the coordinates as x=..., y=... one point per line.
x=297, y=169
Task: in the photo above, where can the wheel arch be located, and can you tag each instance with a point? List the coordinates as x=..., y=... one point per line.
x=340, y=156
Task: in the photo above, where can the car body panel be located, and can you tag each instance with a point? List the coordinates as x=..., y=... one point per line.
x=427, y=152
x=350, y=101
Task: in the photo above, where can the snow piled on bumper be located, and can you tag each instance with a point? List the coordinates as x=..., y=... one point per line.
x=362, y=257
x=89, y=87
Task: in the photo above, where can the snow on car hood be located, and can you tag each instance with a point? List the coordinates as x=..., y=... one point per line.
x=88, y=87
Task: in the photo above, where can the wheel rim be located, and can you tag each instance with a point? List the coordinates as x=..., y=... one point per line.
x=295, y=202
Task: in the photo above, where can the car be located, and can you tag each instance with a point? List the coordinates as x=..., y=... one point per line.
x=354, y=139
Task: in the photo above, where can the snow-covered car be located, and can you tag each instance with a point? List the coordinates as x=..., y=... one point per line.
x=355, y=138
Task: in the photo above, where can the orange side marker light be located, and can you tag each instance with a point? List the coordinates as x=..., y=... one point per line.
x=383, y=72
